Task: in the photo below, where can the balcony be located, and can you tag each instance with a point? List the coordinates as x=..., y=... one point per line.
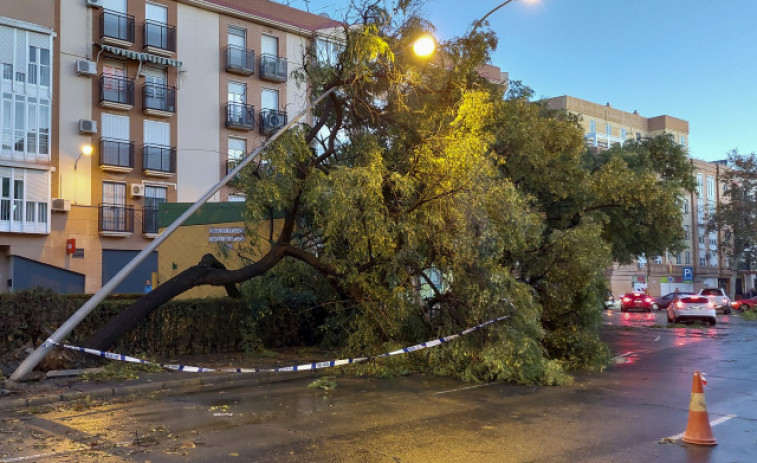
x=159, y=38
x=150, y=222
x=271, y=120
x=273, y=68
x=240, y=60
x=240, y=116
x=158, y=100
x=117, y=28
x=115, y=220
x=116, y=156
x=158, y=161
x=116, y=92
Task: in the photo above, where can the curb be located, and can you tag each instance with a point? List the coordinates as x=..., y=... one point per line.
x=181, y=385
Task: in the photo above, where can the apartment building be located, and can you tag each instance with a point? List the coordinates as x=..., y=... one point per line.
x=113, y=107
x=604, y=125
x=701, y=263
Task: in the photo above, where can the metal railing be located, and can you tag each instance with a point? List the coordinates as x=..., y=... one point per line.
x=159, y=35
x=117, y=218
x=115, y=25
x=240, y=60
x=116, y=153
x=273, y=68
x=117, y=90
x=159, y=97
x=159, y=158
x=240, y=116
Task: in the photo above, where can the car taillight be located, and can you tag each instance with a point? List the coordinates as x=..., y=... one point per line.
x=726, y=301
x=679, y=304
x=626, y=299
x=649, y=299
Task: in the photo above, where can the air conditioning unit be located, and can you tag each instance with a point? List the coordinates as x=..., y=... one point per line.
x=87, y=126
x=273, y=121
x=60, y=205
x=85, y=67
x=95, y=3
x=137, y=190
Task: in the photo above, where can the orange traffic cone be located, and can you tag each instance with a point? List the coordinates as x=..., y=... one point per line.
x=698, y=430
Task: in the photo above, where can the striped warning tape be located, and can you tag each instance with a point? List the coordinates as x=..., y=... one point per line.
x=304, y=367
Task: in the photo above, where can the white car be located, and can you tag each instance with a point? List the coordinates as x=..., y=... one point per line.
x=718, y=297
x=690, y=307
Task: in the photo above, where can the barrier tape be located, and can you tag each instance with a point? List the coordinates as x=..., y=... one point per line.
x=304, y=367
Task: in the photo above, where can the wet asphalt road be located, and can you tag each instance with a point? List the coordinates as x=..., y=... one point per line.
x=619, y=415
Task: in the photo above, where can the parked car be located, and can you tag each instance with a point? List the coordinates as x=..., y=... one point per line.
x=636, y=300
x=692, y=307
x=718, y=297
x=744, y=304
x=662, y=302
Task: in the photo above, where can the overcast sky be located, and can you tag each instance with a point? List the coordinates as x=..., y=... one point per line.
x=691, y=59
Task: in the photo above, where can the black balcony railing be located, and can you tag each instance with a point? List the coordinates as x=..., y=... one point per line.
x=271, y=120
x=240, y=116
x=150, y=220
x=117, y=90
x=159, y=158
x=116, y=153
x=116, y=218
x=240, y=60
x=159, y=97
x=159, y=35
x=273, y=68
x=115, y=25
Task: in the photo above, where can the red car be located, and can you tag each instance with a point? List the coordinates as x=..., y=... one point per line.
x=744, y=304
x=636, y=300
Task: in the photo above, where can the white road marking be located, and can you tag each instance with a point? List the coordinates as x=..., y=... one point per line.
x=714, y=422
x=459, y=389
x=656, y=339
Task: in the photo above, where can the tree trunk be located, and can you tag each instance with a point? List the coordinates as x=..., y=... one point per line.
x=209, y=271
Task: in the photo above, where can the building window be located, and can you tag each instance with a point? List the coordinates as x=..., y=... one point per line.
x=685, y=206
x=686, y=232
x=154, y=197
x=699, y=184
x=593, y=126
x=7, y=71
x=237, y=149
x=687, y=256
x=658, y=260
x=702, y=261
x=710, y=188
x=608, y=130
x=327, y=51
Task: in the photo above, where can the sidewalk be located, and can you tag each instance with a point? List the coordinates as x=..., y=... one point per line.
x=49, y=391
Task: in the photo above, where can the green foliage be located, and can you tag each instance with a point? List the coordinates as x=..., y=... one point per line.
x=736, y=216
x=179, y=327
x=423, y=202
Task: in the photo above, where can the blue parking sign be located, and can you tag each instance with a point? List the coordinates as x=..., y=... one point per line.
x=688, y=274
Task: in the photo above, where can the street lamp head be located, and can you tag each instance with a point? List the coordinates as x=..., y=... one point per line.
x=424, y=45
x=86, y=150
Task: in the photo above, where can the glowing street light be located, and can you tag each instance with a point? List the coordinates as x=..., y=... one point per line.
x=86, y=150
x=424, y=46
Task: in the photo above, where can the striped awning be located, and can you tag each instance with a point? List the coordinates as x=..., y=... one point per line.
x=143, y=57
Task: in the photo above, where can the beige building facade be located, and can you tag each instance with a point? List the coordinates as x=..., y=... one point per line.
x=168, y=94
x=701, y=264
